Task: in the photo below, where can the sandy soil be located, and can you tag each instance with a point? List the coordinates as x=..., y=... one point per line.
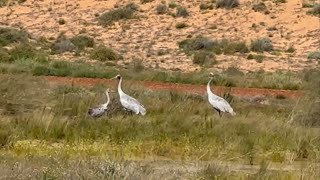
x=143, y=38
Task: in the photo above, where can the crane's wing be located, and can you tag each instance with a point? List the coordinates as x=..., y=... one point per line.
x=133, y=104
x=221, y=104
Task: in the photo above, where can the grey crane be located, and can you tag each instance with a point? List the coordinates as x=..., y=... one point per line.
x=129, y=103
x=99, y=110
x=218, y=103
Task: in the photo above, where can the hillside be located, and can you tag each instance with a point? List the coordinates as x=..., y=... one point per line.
x=153, y=38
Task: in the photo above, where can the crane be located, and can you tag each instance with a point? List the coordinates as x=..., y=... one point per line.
x=99, y=110
x=217, y=102
x=129, y=103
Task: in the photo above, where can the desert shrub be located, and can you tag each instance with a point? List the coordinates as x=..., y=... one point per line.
x=279, y=1
x=182, y=12
x=137, y=65
x=61, y=21
x=126, y=12
x=181, y=25
x=227, y=4
x=258, y=57
x=314, y=55
x=315, y=10
x=82, y=41
x=62, y=44
x=260, y=7
x=4, y=55
x=161, y=8
x=291, y=49
x=172, y=5
x=103, y=53
x=9, y=35
x=26, y=51
x=145, y=1
x=205, y=6
x=204, y=58
x=261, y=45
x=230, y=47
x=203, y=43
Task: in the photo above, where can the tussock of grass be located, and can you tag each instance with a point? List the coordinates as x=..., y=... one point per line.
x=103, y=53
x=314, y=55
x=227, y=4
x=126, y=12
x=10, y=35
x=161, y=8
x=82, y=41
x=261, y=45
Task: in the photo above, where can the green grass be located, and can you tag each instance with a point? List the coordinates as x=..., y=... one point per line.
x=47, y=125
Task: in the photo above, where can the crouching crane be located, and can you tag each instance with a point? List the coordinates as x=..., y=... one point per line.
x=128, y=102
x=98, y=111
x=218, y=103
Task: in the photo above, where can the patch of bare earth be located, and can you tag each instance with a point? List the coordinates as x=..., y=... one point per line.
x=144, y=37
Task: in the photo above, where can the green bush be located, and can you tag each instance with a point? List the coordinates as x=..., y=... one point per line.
x=315, y=10
x=227, y=4
x=161, y=8
x=82, y=41
x=62, y=44
x=205, y=6
x=261, y=45
x=26, y=51
x=9, y=35
x=204, y=58
x=182, y=12
x=260, y=7
x=181, y=25
x=126, y=12
x=61, y=21
x=145, y=1
x=102, y=53
x=314, y=55
x=173, y=5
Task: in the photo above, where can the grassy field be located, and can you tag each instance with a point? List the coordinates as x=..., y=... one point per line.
x=45, y=130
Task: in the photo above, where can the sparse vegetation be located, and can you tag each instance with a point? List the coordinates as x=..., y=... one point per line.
x=260, y=7
x=182, y=12
x=291, y=49
x=61, y=21
x=204, y=58
x=126, y=12
x=279, y=1
x=62, y=44
x=223, y=46
x=172, y=5
x=10, y=35
x=258, y=57
x=82, y=41
x=227, y=4
x=145, y=1
x=261, y=45
x=161, y=9
x=314, y=55
x=205, y=6
x=315, y=10
x=181, y=25
x=103, y=53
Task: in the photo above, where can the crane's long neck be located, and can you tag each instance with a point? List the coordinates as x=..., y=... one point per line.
x=119, y=86
x=208, y=87
x=108, y=97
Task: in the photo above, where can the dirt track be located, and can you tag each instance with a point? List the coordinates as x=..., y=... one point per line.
x=196, y=89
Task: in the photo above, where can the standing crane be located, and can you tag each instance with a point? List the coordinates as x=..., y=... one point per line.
x=98, y=111
x=129, y=103
x=217, y=102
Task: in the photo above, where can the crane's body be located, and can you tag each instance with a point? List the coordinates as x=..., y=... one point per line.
x=128, y=102
x=217, y=102
x=98, y=111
